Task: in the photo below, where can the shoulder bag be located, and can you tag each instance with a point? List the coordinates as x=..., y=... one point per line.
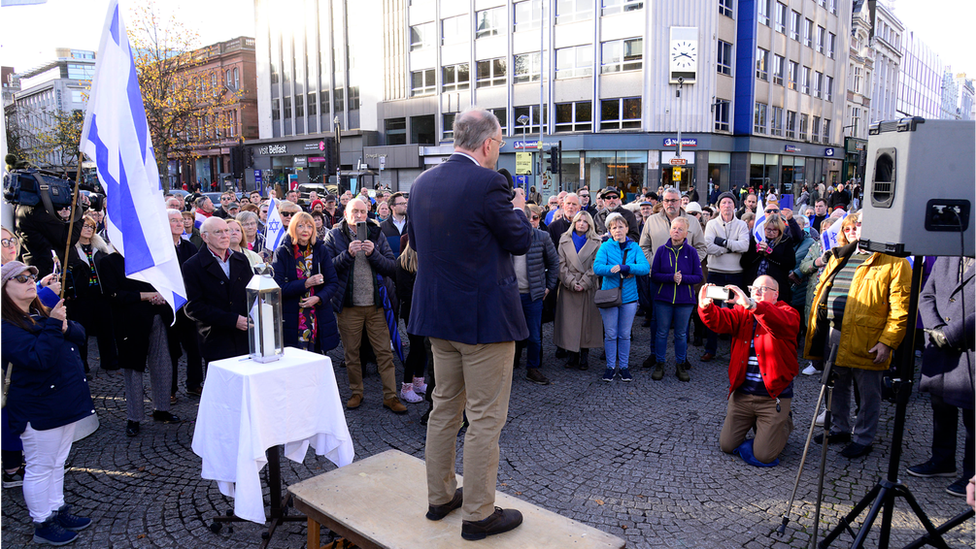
x=612, y=297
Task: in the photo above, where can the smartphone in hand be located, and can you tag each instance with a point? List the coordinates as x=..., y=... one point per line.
x=717, y=293
x=361, y=231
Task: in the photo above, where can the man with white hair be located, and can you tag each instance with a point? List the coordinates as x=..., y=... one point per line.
x=363, y=266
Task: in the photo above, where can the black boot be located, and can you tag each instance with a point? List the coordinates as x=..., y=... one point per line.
x=573, y=361
x=584, y=359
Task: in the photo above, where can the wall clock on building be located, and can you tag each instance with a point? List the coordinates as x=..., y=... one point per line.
x=683, y=54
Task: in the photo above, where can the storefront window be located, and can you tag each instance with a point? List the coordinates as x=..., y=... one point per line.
x=625, y=170
x=718, y=169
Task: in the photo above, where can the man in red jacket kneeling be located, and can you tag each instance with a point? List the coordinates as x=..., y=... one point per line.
x=761, y=369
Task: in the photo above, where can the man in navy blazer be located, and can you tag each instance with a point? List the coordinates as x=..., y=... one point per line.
x=466, y=300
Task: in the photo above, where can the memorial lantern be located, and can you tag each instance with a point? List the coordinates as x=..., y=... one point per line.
x=264, y=315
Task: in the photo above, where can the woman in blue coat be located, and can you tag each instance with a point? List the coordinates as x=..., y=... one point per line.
x=303, y=269
x=618, y=261
x=676, y=270
x=48, y=396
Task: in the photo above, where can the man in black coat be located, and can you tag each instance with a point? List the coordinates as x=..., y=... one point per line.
x=571, y=207
x=361, y=267
x=948, y=311
x=841, y=198
x=216, y=280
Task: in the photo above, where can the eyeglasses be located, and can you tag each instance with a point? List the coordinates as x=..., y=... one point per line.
x=671, y=201
x=501, y=142
x=761, y=289
x=25, y=278
x=8, y=242
x=399, y=204
x=535, y=217
x=287, y=214
x=250, y=224
x=584, y=195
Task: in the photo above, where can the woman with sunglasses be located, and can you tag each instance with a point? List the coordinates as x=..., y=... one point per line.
x=48, y=397
x=771, y=255
x=47, y=289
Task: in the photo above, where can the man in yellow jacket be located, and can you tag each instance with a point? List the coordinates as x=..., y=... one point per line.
x=860, y=315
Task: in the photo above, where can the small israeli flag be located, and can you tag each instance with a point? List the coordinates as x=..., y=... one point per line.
x=274, y=230
x=829, y=237
x=759, y=227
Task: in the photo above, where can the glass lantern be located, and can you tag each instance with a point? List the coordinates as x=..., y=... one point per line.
x=264, y=315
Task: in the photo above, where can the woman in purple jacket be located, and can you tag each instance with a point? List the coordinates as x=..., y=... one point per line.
x=676, y=270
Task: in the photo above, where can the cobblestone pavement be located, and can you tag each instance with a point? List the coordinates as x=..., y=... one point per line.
x=638, y=460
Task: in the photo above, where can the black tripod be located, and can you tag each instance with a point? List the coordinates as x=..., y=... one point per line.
x=884, y=493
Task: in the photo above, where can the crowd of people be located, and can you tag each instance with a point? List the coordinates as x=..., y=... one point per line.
x=464, y=283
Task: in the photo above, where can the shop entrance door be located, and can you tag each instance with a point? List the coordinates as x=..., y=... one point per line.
x=679, y=177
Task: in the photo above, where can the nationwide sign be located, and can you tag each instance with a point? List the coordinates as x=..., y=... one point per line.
x=792, y=149
x=673, y=142
x=527, y=145
x=829, y=151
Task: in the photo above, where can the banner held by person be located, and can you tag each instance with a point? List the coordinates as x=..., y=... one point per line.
x=759, y=226
x=116, y=136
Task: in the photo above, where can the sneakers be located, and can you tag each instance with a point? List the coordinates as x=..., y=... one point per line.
x=71, y=522
x=50, y=532
x=958, y=488
x=809, y=370
x=502, y=520
x=680, y=371
x=821, y=418
x=15, y=479
x=930, y=469
x=625, y=375
x=535, y=376
x=408, y=395
x=419, y=386
x=608, y=375
x=394, y=405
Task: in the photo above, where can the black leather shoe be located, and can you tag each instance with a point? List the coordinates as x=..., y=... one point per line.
x=132, y=429
x=437, y=512
x=535, y=376
x=165, y=417
x=502, y=520
x=855, y=450
x=835, y=438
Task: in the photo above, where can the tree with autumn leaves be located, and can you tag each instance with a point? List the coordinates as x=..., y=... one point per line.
x=185, y=102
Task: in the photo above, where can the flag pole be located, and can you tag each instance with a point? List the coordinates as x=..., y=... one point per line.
x=71, y=226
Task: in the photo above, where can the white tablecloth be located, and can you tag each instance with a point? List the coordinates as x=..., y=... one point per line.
x=248, y=407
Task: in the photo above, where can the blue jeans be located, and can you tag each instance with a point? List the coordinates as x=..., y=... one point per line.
x=616, y=333
x=664, y=314
x=533, y=318
x=720, y=279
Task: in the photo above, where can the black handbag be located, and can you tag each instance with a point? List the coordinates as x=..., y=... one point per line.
x=613, y=297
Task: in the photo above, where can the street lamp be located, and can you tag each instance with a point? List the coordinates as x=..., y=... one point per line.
x=524, y=121
x=338, y=155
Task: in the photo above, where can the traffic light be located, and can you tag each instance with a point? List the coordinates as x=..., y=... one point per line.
x=237, y=161
x=330, y=156
x=555, y=156
x=546, y=162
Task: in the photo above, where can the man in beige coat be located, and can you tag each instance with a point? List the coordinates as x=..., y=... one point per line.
x=657, y=232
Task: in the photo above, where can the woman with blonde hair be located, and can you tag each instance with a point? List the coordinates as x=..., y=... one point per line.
x=238, y=244
x=578, y=325
x=414, y=384
x=772, y=256
x=303, y=268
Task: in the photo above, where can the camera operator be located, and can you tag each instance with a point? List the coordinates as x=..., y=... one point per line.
x=761, y=369
x=42, y=232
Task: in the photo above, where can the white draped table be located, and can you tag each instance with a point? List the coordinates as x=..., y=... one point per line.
x=248, y=407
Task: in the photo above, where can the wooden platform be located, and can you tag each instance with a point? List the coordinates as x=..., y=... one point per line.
x=380, y=502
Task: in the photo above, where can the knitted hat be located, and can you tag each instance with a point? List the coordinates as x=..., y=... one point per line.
x=727, y=194
x=13, y=269
x=317, y=201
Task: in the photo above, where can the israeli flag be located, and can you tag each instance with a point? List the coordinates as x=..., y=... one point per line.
x=759, y=227
x=829, y=237
x=274, y=230
x=116, y=136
